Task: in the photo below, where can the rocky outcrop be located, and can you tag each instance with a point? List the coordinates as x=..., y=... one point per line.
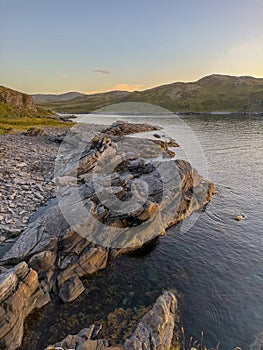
x=17, y=99
x=133, y=198
x=20, y=293
x=154, y=332
x=120, y=128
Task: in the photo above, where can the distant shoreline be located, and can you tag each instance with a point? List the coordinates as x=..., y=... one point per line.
x=69, y=116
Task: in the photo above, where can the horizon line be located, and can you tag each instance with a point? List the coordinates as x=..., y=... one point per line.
x=140, y=90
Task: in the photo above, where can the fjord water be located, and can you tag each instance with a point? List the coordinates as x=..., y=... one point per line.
x=216, y=266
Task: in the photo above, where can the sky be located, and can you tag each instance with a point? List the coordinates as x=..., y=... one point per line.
x=55, y=46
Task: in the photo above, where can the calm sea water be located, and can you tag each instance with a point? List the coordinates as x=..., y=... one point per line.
x=216, y=266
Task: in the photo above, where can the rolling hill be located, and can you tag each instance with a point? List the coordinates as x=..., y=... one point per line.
x=212, y=93
x=19, y=112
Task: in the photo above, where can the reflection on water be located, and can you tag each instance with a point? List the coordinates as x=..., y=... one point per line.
x=217, y=266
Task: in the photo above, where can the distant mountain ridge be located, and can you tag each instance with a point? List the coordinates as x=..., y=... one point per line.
x=56, y=97
x=211, y=93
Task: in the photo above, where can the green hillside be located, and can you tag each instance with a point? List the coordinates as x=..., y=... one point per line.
x=18, y=112
x=211, y=93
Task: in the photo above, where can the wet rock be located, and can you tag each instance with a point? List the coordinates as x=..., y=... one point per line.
x=71, y=290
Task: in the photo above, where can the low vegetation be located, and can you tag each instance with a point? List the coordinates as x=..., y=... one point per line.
x=192, y=344
x=13, y=119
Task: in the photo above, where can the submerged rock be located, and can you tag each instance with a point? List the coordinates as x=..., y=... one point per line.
x=154, y=332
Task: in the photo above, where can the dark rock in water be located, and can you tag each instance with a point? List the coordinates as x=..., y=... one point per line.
x=20, y=293
x=71, y=290
x=240, y=217
x=157, y=136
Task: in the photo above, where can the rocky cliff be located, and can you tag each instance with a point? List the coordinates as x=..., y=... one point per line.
x=16, y=99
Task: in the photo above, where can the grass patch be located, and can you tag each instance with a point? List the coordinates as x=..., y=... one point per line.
x=13, y=125
x=13, y=120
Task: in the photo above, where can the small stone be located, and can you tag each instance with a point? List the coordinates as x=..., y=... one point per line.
x=240, y=217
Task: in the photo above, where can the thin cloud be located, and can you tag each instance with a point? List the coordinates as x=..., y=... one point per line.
x=65, y=76
x=102, y=71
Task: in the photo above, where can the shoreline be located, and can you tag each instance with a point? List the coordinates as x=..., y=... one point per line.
x=54, y=258
x=68, y=116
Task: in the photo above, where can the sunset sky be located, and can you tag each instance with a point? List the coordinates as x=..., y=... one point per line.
x=54, y=46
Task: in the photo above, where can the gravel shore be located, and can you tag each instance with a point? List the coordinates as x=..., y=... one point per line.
x=26, y=171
